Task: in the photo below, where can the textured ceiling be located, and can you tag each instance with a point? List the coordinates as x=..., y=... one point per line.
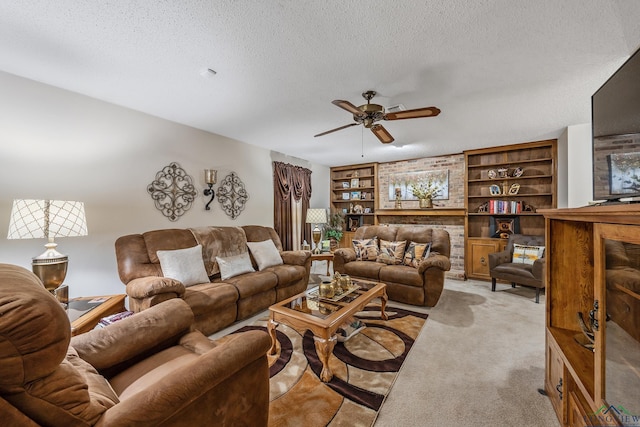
x=501, y=71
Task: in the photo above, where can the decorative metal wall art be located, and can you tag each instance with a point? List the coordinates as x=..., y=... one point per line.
x=172, y=191
x=232, y=195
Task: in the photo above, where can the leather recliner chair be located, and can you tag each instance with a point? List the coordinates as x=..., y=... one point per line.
x=149, y=369
x=501, y=265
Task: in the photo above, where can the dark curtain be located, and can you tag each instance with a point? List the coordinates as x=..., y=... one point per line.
x=290, y=183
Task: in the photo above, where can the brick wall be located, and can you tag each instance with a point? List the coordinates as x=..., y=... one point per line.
x=453, y=225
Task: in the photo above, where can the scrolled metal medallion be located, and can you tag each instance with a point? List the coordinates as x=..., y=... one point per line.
x=232, y=195
x=172, y=191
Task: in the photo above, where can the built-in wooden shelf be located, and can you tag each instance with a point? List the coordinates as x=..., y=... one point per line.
x=422, y=212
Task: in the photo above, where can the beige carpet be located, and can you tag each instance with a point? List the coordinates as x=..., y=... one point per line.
x=478, y=361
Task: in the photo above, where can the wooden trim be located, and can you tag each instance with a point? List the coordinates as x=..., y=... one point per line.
x=422, y=212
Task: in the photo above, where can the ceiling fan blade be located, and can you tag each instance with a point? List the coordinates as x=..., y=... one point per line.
x=346, y=105
x=413, y=114
x=382, y=134
x=337, y=129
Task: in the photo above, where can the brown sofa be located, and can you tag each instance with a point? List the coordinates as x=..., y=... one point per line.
x=216, y=303
x=421, y=285
x=149, y=369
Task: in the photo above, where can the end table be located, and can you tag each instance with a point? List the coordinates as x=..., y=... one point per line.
x=325, y=256
x=111, y=304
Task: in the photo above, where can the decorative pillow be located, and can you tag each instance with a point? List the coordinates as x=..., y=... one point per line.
x=265, y=253
x=415, y=253
x=393, y=250
x=523, y=254
x=366, y=249
x=385, y=258
x=185, y=265
x=234, y=265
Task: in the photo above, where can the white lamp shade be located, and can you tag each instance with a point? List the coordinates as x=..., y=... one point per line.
x=316, y=216
x=33, y=219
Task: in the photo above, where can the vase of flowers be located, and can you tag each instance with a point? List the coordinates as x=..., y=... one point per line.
x=425, y=191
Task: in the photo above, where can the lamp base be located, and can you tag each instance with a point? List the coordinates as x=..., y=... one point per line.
x=50, y=267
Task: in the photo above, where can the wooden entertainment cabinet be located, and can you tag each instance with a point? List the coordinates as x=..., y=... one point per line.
x=593, y=261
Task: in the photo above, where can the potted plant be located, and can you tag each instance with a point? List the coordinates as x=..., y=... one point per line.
x=425, y=191
x=333, y=230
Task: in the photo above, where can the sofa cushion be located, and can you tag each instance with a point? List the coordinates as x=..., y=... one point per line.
x=184, y=265
x=401, y=274
x=394, y=251
x=366, y=269
x=210, y=297
x=524, y=254
x=415, y=253
x=366, y=249
x=519, y=269
x=265, y=253
x=254, y=283
x=234, y=265
x=288, y=275
x=219, y=242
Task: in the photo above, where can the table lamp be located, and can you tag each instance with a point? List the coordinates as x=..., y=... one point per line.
x=316, y=217
x=34, y=219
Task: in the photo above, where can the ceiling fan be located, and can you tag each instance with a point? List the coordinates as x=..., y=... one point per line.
x=368, y=114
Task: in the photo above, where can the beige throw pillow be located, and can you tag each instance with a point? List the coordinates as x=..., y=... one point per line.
x=415, y=253
x=391, y=251
x=185, y=265
x=265, y=253
x=234, y=265
x=366, y=249
x=523, y=254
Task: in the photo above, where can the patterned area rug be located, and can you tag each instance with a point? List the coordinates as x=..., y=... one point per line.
x=365, y=367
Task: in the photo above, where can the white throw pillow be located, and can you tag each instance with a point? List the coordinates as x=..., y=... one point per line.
x=265, y=253
x=185, y=265
x=523, y=254
x=234, y=265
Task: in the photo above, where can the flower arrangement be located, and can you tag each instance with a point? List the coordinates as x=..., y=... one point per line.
x=428, y=189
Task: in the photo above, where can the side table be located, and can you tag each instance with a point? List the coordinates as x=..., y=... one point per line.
x=325, y=256
x=111, y=304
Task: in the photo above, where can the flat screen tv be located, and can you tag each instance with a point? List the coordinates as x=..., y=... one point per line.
x=615, y=109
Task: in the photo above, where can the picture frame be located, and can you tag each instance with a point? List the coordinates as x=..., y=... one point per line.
x=345, y=184
x=355, y=195
x=494, y=190
x=345, y=196
x=514, y=189
x=355, y=182
x=367, y=210
x=345, y=210
x=363, y=195
x=404, y=182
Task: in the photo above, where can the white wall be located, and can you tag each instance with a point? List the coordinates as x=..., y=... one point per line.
x=579, y=165
x=56, y=144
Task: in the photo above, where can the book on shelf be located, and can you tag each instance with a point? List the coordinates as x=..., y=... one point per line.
x=505, y=206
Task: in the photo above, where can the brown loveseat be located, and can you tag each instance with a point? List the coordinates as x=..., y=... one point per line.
x=149, y=369
x=419, y=285
x=216, y=303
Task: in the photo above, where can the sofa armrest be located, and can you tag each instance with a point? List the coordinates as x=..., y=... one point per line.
x=341, y=257
x=538, y=269
x=295, y=257
x=434, y=260
x=233, y=378
x=497, y=258
x=145, y=287
x=112, y=348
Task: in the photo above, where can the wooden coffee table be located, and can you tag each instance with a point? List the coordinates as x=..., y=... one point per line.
x=323, y=316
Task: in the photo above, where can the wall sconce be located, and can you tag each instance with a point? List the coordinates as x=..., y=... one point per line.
x=210, y=178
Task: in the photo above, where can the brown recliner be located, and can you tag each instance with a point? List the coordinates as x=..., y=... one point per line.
x=146, y=370
x=501, y=265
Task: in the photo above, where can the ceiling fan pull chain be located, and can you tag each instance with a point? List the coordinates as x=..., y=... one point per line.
x=362, y=142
